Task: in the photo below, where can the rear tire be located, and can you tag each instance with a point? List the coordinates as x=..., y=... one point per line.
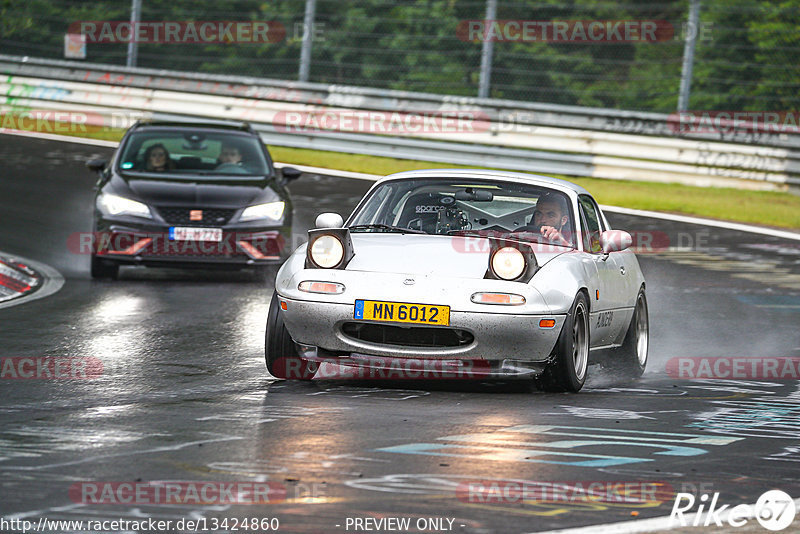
x=569, y=369
x=101, y=268
x=631, y=358
x=280, y=352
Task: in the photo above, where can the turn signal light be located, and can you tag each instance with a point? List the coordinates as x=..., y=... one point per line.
x=321, y=287
x=507, y=299
x=547, y=323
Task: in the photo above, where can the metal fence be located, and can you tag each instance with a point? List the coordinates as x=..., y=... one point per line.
x=744, y=58
x=59, y=96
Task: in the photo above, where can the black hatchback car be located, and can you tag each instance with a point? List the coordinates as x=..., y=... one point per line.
x=184, y=194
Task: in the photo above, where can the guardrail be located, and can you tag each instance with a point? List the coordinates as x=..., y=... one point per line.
x=516, y=135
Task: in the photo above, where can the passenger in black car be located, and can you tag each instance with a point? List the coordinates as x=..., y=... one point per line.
x=157, y=158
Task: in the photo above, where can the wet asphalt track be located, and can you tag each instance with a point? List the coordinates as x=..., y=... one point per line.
x=185, y=396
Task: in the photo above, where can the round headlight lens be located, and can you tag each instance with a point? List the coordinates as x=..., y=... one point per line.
x=327, y=251
x=508, y=263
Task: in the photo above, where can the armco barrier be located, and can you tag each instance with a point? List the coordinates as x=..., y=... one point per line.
x=533, y=137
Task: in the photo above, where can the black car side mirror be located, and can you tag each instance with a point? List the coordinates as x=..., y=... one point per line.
x=96, y=165
x=290, y=173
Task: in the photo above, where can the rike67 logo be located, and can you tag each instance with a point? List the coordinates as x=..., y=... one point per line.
x=774, y=510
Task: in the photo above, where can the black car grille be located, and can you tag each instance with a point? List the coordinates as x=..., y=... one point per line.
x=407, y=336
x=212, y=217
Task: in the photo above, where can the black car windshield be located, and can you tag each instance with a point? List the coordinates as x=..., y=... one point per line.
x=455, y=206
x=198, y=152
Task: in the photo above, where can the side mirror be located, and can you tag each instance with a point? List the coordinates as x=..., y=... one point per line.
x=96, y=165
x=615, y=241
x=290, y=173
x=329, y=220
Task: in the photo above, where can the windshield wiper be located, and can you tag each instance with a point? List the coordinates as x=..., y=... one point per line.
x=387, y=228
x=467, y=233
x=218, y=173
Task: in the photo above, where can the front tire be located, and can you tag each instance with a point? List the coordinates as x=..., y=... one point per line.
x=569, y=369
x=280, y=352
x=101, y=268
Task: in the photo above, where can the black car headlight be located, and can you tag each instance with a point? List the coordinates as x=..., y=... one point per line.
x=271, y=211
x=110, y=204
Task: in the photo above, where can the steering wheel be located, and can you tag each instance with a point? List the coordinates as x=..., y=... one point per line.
x=231, y=168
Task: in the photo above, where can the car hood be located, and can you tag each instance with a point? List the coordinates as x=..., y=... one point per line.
x=461, y=257
x=229, y=193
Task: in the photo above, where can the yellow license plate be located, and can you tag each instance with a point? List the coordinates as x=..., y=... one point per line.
x=402, y=312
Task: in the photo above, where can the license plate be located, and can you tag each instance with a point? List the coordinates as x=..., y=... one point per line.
x=402, y=312
x=181, y=233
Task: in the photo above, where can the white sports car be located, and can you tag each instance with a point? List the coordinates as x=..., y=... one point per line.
x=462, y=273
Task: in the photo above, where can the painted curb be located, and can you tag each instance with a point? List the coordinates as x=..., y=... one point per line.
x=26, y=280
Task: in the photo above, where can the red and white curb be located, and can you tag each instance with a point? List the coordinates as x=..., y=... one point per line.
x=23, y=280
x=16, y=279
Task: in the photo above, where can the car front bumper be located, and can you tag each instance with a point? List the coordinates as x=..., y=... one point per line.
x=494, y=336
x=150, y=244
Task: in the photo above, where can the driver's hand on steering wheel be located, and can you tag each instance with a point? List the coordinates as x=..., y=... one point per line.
x=553, y=235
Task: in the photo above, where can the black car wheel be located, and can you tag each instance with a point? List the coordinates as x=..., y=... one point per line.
x=569, y=368
x=280, y=352
x=104, y=269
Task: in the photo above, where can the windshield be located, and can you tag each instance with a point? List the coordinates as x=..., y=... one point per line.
x=194, y=152
x=452, y=206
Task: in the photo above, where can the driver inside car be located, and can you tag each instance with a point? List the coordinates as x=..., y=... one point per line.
x=549, y=219
x=230, y=154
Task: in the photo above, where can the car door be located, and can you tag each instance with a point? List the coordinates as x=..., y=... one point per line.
x=605, y=297
x=630, y=273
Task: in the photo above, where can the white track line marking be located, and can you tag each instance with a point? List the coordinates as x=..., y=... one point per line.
x=62, y=138
x=331, y=172
x=705, y=222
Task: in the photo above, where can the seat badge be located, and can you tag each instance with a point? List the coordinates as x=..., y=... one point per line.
x=195, y=215
x=409, y=281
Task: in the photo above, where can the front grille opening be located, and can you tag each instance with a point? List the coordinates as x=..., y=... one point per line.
x=159, y=244
x=413, y=336
x=211, y=217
